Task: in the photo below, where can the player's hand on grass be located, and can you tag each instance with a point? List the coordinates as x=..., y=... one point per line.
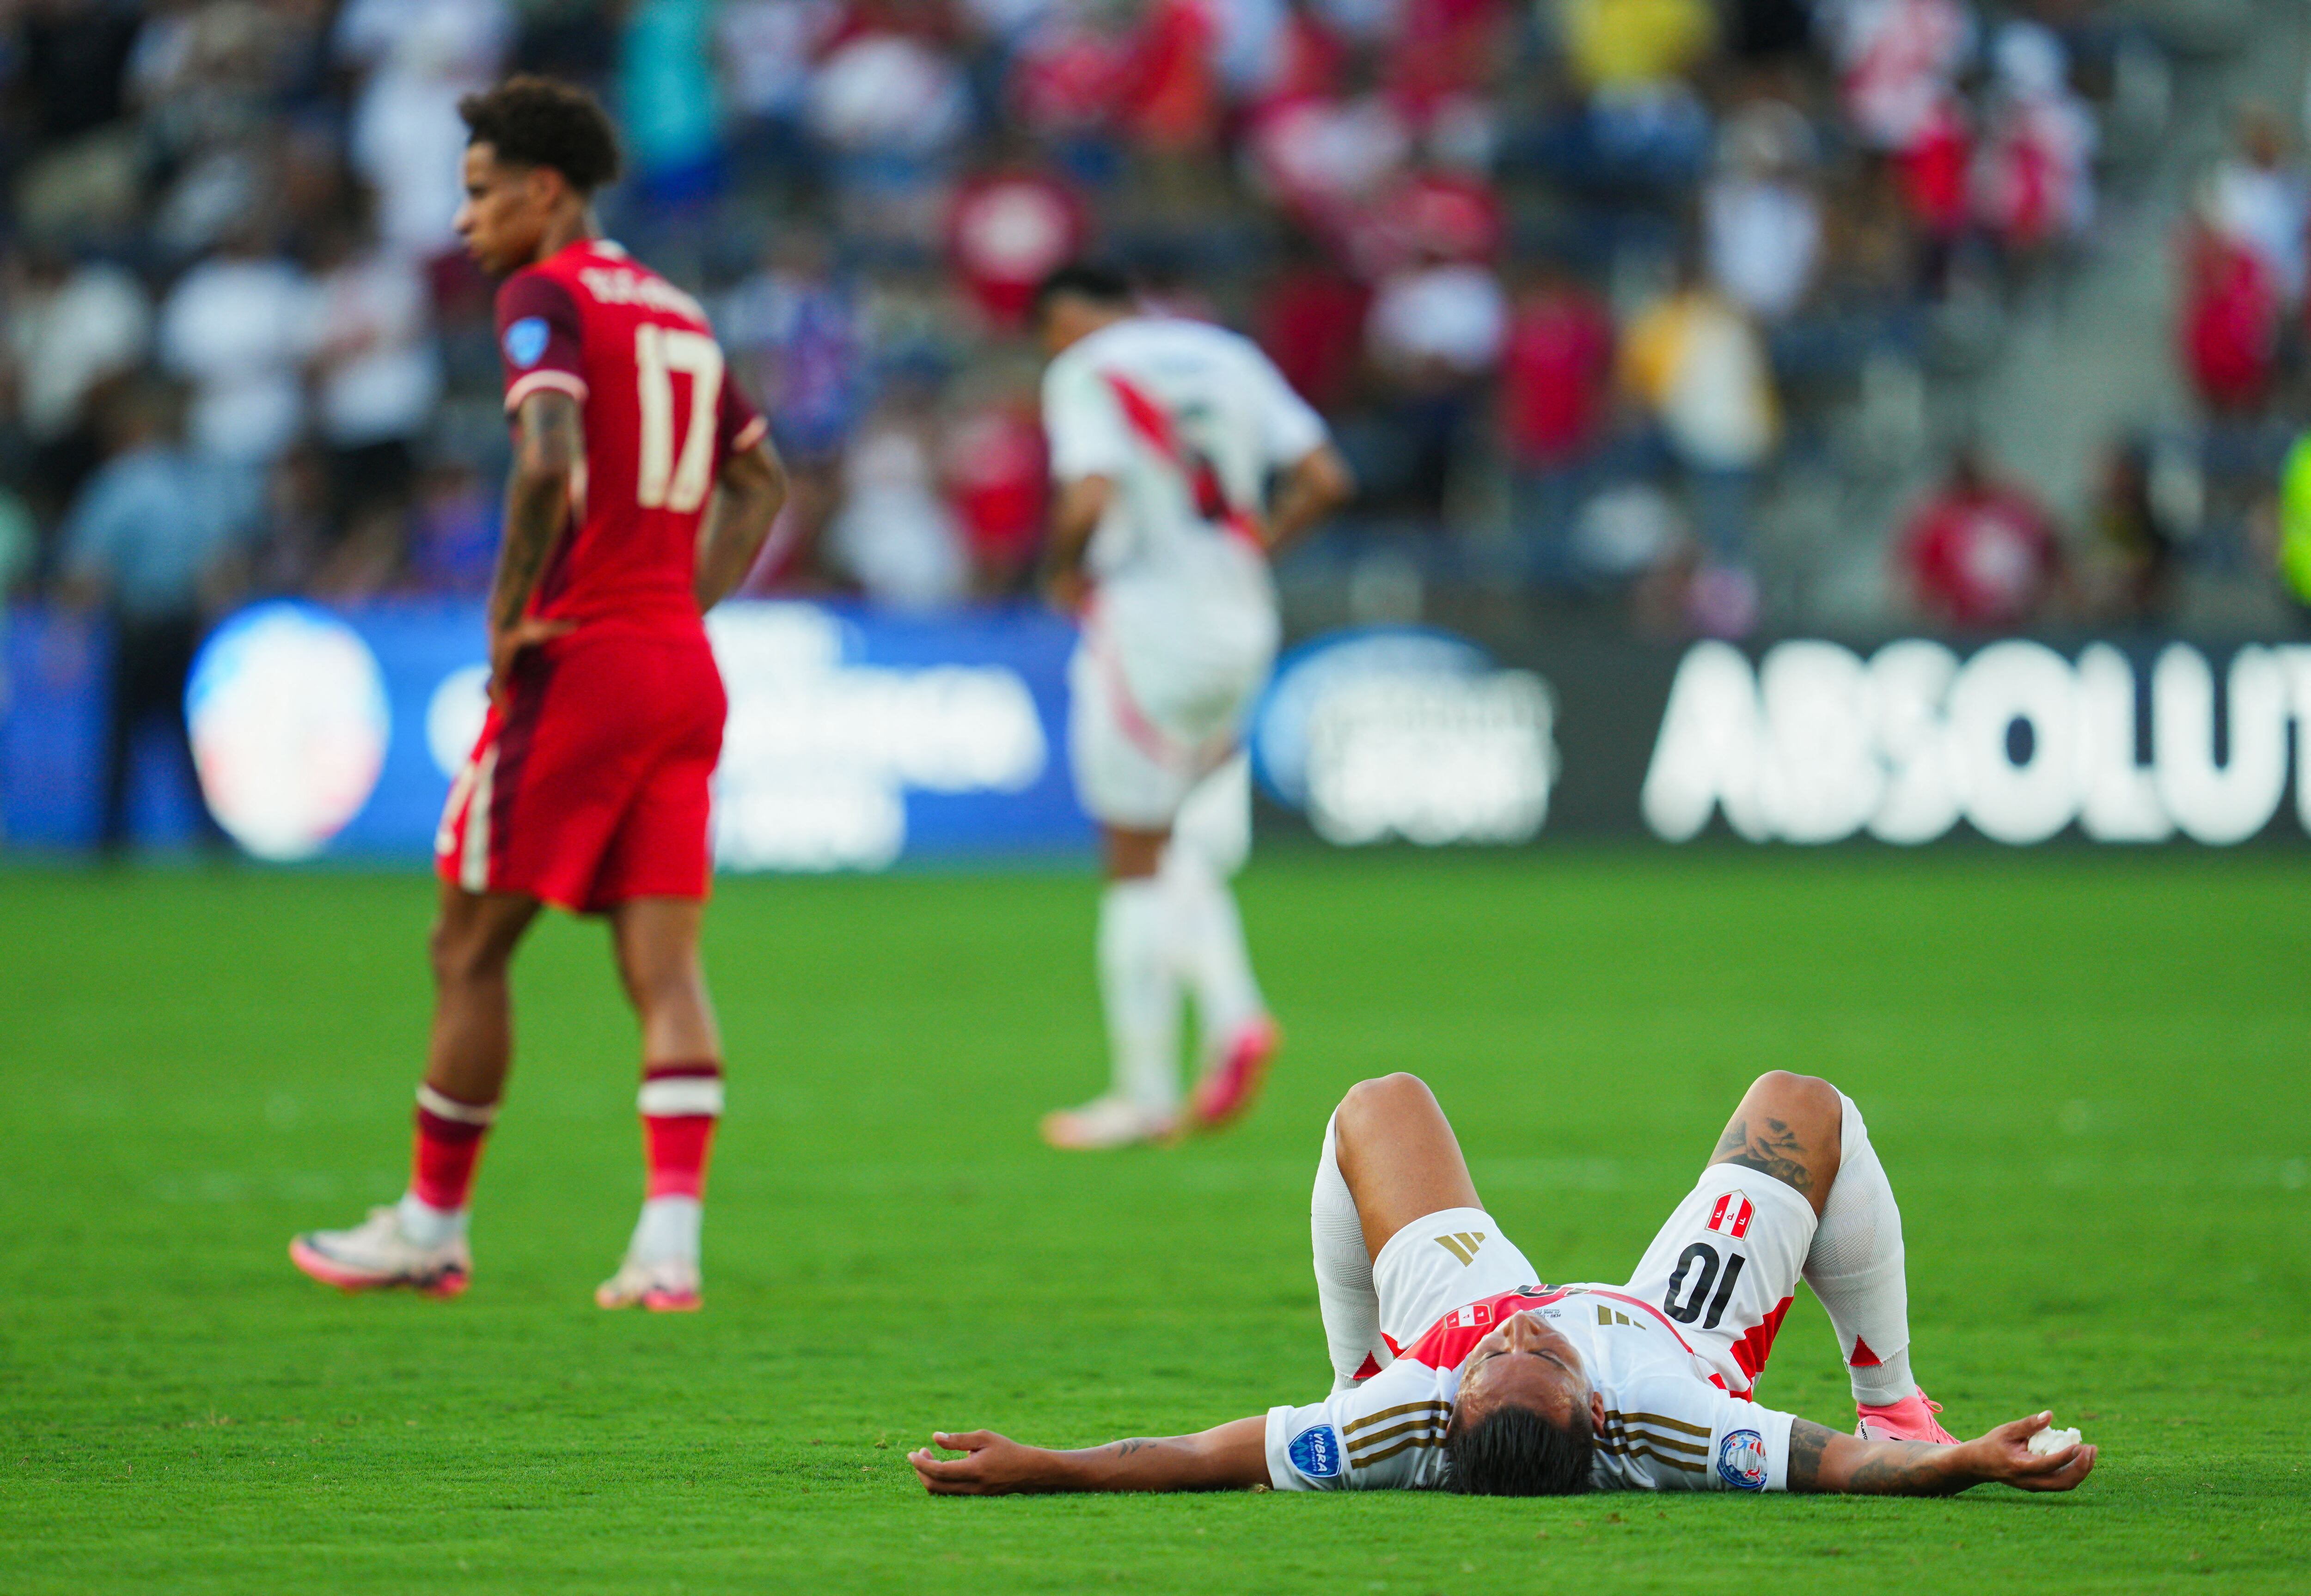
x=2004, y=1456
x=992, y=1465
x=507, y=644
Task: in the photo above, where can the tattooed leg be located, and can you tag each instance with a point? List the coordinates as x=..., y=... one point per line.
x=1787, y=1126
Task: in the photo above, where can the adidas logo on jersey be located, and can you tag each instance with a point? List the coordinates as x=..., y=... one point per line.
x=1463, y=1244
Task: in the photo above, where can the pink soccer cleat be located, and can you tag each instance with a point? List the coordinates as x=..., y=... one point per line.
x=1910, y=1419
x=661, y=1285
x=1229, y=1086
x=377, y=1256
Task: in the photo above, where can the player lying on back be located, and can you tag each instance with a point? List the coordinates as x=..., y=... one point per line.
x=640, y=492
x=1454, y=1370
x=1164, y=433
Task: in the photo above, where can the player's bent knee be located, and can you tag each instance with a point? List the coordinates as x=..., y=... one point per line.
x=1787, y=1086
x=1386, y=1096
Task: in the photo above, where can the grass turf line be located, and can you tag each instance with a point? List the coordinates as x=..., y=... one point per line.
x=2085, y=1073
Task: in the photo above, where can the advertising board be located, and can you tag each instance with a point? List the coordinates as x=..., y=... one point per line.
x=858, y=740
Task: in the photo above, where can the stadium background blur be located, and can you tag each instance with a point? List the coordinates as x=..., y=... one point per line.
x=1588, y=287
x=1640, y=320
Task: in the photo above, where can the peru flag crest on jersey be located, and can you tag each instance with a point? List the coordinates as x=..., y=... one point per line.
x=1731, y=1214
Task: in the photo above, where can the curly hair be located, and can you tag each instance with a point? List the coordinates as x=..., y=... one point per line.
x=535, y=121
x=1514, y=1452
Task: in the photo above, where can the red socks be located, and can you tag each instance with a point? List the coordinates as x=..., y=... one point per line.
x=679, y=1104
x=448, y=1143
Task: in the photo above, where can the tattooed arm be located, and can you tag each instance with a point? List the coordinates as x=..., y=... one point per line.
x=1227, y=1457
x=549, y=451
x=1823, y=1460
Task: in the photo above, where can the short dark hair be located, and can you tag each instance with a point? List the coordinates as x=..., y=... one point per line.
x=1514, y=1452
x=535, y=121
x=1083, y=280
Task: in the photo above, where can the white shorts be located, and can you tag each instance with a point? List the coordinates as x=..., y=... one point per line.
x=1726, y=1265
x=1138, y=756
x=1441, y=1262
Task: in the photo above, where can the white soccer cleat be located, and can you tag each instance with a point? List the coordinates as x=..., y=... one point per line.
x=1106, y=1123
x=661, y=1285
x=377, y=1256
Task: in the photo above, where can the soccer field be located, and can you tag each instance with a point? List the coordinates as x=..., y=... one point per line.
x=2085, y=1074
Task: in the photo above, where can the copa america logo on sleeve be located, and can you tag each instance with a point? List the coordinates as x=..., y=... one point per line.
x=1315, y=1452
x=1741, y=1459
x=525, y=341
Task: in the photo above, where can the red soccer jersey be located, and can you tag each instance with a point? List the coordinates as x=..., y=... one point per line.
x=636, y=352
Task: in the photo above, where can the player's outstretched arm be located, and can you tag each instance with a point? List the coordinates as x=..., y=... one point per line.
x=748, y=495
x=1823, y=1460
x=1227, y=1457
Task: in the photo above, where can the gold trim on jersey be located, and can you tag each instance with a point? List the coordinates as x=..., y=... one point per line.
x=1662, y=1421
x=1436, y=1404
x=1642, y=1435
x=1420, y=1424
x=1370, y=1458
x=1667, y=1459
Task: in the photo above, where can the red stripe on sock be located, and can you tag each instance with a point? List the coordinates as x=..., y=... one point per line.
x=441, y=1162
x=675, y=1071
x=676, y=1146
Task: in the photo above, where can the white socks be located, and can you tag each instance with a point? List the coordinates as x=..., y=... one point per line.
x=1856, y=1267
x=427, y=1226
x=668, y=1228
x=1206, y=939
x=1141, y=994
x=1343, y=1277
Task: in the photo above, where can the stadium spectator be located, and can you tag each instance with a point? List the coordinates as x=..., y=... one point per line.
x=2138, y=539
x=2231, y=316
x=2034, y=178
x=996, y=471
x=1979, y=554
x=1009, y=228
x=73, y=329
x=1761, y=219
x=894, y=539
x=153, y=538
x=417, y=57
x=2258, y=198
x=1555, y=405
x=377, y=371
x=1310, y=321
x=1435, y=334
x=1699, y=370
x=240, y=328
x=765, y=48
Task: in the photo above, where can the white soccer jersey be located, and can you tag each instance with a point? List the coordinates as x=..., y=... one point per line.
x=1669, y=1424
x=1188, y=421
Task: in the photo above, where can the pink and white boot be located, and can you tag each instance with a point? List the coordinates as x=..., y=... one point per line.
x=1910, y=1419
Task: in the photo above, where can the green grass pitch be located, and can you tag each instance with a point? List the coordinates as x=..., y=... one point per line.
x=2086, y=1074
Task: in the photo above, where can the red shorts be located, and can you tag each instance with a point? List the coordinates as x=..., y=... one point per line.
x=589, y=785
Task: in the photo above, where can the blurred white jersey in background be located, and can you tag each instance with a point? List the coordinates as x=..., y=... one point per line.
x=1188, y=421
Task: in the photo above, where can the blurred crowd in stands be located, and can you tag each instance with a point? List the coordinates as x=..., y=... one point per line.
x=1579, y=283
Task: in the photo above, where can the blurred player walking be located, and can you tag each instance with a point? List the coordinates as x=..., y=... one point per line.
x=1164, y=436
x=641, y=490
